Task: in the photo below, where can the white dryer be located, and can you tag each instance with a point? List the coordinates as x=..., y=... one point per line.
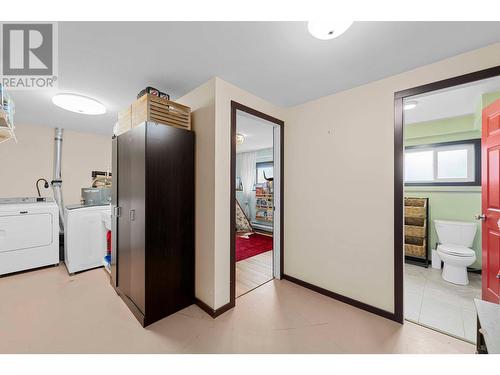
x=29, y=234
x=85, y=237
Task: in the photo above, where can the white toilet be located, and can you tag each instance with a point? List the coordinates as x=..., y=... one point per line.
x=455, y=251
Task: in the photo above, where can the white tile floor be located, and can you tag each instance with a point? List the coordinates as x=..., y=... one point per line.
x=433, y=302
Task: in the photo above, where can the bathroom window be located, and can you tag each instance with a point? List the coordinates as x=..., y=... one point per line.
x=444, y=164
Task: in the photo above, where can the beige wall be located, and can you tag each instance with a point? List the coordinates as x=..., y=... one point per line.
x=202, y=103
x=338, y=182
x=32, y=157
x=338, y=179
x=211, y=106
x=225, y=93
x=339, y=175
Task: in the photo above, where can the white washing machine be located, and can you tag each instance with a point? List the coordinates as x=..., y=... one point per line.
x=85, y=238
x=29, y=234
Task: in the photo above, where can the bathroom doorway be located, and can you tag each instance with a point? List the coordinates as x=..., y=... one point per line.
x=256, y=199
x=438, y=182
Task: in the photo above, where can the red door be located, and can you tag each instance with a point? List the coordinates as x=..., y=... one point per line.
x=491, y=201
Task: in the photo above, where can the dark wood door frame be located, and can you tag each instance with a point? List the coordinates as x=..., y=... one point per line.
x=399, y=172
x=235, y=107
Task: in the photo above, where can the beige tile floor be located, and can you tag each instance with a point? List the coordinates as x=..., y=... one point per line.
x=431, y=301
x=46, y=311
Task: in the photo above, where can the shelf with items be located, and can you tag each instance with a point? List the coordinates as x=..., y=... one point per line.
x=416, y=230
x=7, y=110
x=5, y=135
x=264, y=202
x=264, y=216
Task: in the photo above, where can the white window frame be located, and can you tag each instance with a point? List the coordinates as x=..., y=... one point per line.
x=436, y=148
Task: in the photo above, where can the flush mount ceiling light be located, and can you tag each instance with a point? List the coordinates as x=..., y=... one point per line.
x=325, y=30
x=410, y=104
x=240, y=138
x=79, y=104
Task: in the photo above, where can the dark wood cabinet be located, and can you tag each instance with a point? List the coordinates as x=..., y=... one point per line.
x=154, y=254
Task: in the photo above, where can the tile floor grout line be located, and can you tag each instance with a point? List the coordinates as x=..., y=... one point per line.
x=463, y=321
x=422, y=299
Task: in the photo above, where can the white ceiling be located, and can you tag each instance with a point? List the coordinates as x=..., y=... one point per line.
x=258, y=133
x=457, y=101
x=278, y=61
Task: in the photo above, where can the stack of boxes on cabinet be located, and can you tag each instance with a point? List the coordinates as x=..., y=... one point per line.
x=155, y=106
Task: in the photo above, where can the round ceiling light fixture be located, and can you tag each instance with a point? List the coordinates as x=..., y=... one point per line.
x=410, y=104
x=240, y=138
x=79, y=104
x=325, y=30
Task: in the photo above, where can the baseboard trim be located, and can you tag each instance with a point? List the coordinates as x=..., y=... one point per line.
x=214, y=313
x=341, y=298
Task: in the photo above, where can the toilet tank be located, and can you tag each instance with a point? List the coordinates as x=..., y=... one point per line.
x=460, y=233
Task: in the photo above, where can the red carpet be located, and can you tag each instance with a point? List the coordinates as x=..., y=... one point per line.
x=254, y=245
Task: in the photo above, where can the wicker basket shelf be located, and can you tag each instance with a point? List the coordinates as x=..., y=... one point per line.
x=6, y=116
x=415, y=212
x=5, y=135
x=419, y=231
x=4, y=121
x=416, y=202
x=416, y=250
x=417, y=221
x=416, y=228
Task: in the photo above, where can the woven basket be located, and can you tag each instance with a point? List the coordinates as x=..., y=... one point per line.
x=416, y=231
x=415, y=247
x=415, y=202
x=415, y=227
x=416, y=221
x=415, y=250
x=415, y=211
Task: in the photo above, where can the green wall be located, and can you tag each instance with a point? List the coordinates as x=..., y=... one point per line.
x=447, y=203
x=445, y=130
x=457, y=202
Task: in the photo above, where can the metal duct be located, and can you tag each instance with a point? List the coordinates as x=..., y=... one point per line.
x=57, y=181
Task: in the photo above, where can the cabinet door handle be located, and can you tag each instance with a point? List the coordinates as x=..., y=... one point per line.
x=132, y=215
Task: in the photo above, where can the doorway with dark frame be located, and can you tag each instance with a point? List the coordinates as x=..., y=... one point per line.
x=256, y=199
x=446, y=186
